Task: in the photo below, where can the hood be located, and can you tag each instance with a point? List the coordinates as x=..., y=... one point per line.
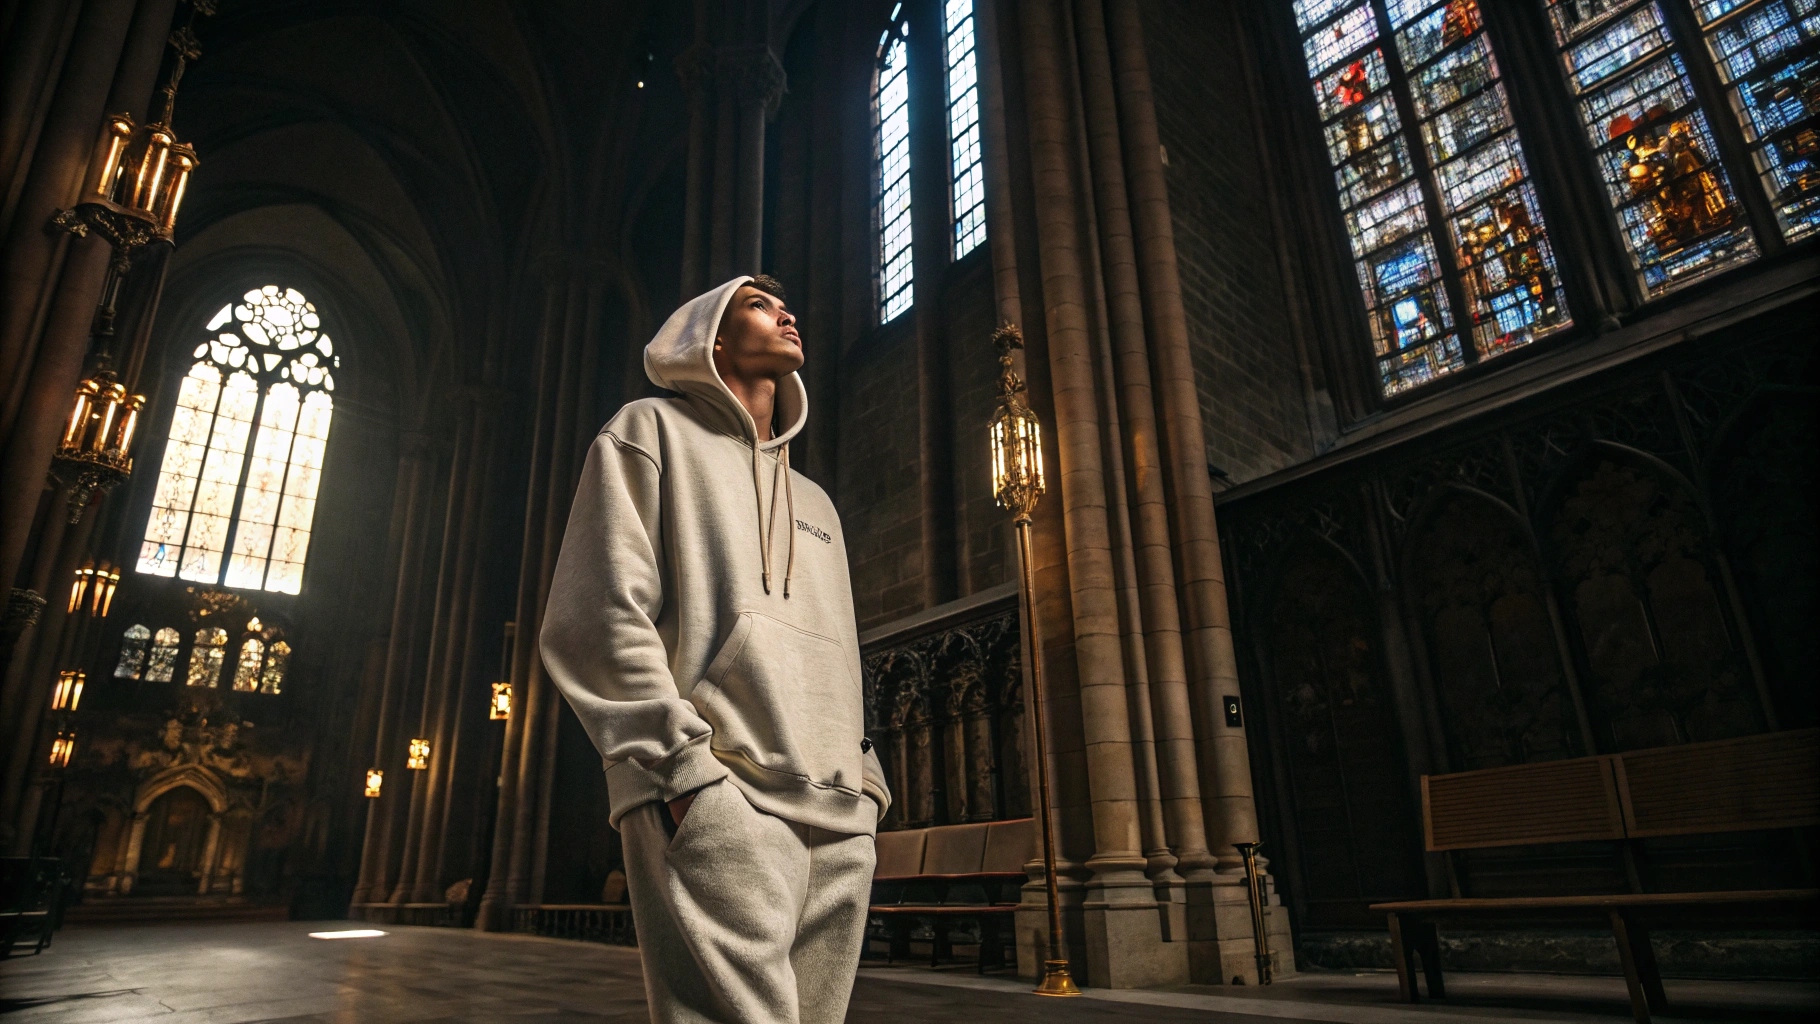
x=681, y=358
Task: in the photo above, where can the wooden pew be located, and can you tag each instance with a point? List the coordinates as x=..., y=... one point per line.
x=1767, y=781
x=950, y=873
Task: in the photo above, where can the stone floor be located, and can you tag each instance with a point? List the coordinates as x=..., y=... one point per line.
x=274, y=973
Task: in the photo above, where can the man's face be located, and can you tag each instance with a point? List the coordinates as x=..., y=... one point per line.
x=757, y=338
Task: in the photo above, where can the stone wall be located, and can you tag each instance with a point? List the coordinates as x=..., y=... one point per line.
x=1252, y=396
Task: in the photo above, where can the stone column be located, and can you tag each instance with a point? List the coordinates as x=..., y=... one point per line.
x=734, y=85
x=497, y=902
x=211, y=848
x=410, y=495
x=129, y=861
x=50, y=283
x=1123, y=936
x=1223, y=760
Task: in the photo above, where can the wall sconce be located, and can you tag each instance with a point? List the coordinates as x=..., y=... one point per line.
x=501, y=708
x=94, y=586
x=375, y=779
x=68, y=691
x=95, y=452
x=419, y=758
x=62, y=749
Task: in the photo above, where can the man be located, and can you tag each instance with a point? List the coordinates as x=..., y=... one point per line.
x=710, y=651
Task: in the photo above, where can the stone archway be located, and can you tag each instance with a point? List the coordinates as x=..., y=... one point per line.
x=198, y=784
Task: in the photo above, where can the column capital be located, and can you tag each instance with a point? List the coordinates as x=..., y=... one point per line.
x=752, y=73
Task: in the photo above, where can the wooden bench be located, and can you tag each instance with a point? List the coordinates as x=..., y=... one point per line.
x=31, y=902
x=951, y=873
x=1768, y=781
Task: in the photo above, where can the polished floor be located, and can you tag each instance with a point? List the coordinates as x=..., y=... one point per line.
x=274, y=973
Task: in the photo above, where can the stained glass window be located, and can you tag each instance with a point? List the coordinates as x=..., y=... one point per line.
x=163, y=662
x=133, y=647
x=206, y=656
x=1655, y=149
x=968, y=171
x=234, y=504
x=1766, y=56
x=246, y=668
x=271, y=677
x=891, y=106
x=1445, y=226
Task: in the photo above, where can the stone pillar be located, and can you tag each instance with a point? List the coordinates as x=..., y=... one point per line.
x=211, y=849
x=129, y=860
x=1221, y=750
x=49, y=282
x=497, y=902
x=409, y=497
x=734, y=85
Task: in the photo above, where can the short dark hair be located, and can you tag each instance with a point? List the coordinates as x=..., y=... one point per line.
x=769, y=285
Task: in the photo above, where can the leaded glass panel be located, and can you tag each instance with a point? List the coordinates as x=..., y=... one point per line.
x=1674, y=201
x=1766, y=55
x=968, y=164
x=891, y=105
x=1493, y=232
x=206, y=656
x=226, y=511
x=277, y=660
x=163, y=662
x=133, y=647
x=246, y=667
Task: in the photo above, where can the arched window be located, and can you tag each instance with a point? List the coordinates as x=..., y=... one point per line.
x=271, y=678
x=132, y=652
x=207, y=655
x=267, y=364
x=163, y=663
x=966, y=163
x=1453, y=256
x=891, y=108
x=246, y=669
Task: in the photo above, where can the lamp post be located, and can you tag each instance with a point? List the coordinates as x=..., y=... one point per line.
x=1017, y=482
x=137, y=177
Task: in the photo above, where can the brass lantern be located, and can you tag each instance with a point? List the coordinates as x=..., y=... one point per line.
x=1017, y=437
x=375, y=779
x=94, y=587
x=63, y=748
x=68, y=692
x=419, y=758
x=501, y=708
x=95, y=452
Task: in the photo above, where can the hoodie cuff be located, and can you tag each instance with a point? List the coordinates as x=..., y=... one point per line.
x=687, y=770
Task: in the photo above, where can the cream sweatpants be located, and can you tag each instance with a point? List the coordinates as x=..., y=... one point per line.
x=744, y=917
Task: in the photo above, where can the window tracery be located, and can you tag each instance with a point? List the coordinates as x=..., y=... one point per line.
x=1446, y=229
x=221, y=513
x=891, y=110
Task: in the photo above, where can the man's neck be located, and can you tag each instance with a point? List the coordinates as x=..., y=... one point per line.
x=759, y=396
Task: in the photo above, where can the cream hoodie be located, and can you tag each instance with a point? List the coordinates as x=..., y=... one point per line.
x=696, y=636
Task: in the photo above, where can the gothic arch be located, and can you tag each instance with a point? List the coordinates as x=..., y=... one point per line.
x=195, y=776
x=1640, y=583
x=1475, y=586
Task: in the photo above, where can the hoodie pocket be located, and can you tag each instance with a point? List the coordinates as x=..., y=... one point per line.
x=785, y=700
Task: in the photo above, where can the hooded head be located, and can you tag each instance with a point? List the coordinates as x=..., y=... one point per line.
x=681, y=358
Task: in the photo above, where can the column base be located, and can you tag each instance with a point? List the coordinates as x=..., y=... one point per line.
x=1221, y=950
x=1126, y=947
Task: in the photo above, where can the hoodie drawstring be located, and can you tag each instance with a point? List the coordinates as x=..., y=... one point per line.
x=767, y=521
